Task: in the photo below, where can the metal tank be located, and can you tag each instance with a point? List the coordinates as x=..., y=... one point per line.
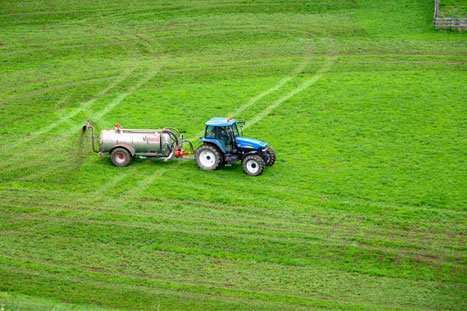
x=142, y=141
x=124, y=144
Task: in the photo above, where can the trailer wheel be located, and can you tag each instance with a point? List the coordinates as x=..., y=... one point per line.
x=253, y=165
x=120, y=157
x=207, y=157
x=270, y=156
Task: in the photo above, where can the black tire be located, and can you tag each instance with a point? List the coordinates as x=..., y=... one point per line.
x=253, y=165
x=270, y=156
x=208, y=157
x=221, y=163
x=120, y=157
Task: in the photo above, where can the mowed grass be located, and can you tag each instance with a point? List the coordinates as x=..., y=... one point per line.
x=453, y=8
x=364, y=103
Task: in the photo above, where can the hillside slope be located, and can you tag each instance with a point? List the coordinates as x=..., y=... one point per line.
x=363, y=102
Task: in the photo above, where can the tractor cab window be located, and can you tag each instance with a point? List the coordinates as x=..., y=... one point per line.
x=216, y=132
x=210, y=132
x=235, y=129
x=221, y=133
x=224, y=137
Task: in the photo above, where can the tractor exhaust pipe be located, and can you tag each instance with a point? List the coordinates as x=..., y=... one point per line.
x=87, y=125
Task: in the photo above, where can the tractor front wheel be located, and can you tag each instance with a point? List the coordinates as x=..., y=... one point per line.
x=253, y=165
x=207, y=157
x=270, y=156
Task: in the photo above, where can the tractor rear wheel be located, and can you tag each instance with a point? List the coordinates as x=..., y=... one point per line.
x=253, y=165
x=120, y=157
x=208, y=157
x=271, y=156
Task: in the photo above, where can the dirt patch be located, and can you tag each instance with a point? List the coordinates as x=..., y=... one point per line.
x=96, y=269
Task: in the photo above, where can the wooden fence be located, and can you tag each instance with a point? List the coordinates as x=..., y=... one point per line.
x=447, y=22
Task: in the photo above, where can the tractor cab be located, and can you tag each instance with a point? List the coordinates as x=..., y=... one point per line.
x=223, y=133
x=223, y=143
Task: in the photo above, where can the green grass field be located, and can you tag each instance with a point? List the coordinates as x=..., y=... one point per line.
x=364, y=103
x=453, y=8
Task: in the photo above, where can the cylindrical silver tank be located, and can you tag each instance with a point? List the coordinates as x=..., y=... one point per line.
x=143, y=141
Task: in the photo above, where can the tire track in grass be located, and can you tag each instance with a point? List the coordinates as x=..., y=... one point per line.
x=148, y=76
x=106, y=109
x=143, y=184
x=272, y=89
x=61, y=120
x=83, y=107
x=55, y=109
x=149, y=47
x=309, y=82
x=234, y=229
x=31, y=92
x=23, y=160
x=146, y=182
x=171, y=228
x=109, y=185
x=346, y=235
x=35, y=270
x=74, y=112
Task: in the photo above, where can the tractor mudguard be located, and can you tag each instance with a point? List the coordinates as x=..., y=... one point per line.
x=255, y=151
x=215, y=142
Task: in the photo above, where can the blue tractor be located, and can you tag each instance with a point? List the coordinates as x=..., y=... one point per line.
x=223, y=144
